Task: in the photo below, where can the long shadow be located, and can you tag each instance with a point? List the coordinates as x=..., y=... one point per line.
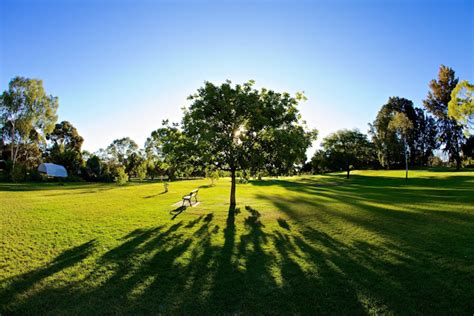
x=261, y=265
x=177, y=211
x=20, y=284
x=420, y=243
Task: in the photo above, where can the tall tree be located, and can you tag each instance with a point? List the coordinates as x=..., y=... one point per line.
x=229, y=125
x=451, y=132
x=346, y=149
x=461, y=105
x=27, y=115
x=121, y=149
x=388, y=145
x=425, y=134
x=403, y=126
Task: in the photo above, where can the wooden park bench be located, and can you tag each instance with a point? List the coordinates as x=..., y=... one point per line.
x=190, y=196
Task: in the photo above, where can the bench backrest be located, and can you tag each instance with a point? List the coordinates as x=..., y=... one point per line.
x=194, y=192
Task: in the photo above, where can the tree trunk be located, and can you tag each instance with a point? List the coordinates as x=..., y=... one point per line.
x=12, y=145
x=232, y=188
x=458, y=156
x=406, y=160
x=348, y=170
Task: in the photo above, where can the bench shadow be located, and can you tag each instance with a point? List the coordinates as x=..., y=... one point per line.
x=180, y=209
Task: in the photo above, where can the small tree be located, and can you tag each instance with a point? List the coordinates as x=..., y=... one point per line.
x=94, y=168
x=212, y=174
x=119, y=175
x=402, y=125
x=346, y=149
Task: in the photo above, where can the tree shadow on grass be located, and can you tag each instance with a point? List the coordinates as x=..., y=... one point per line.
x=181, y=269
x=257, y=266
x=20, y=284
x=194, y=268
x=421, y=242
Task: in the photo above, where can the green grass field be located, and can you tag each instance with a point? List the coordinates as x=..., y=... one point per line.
x=302, y=245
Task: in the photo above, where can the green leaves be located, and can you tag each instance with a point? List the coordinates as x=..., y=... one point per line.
x=238, y=127
x=461, y=105
x=451, y=131
x=345, y=149
x=27, y=114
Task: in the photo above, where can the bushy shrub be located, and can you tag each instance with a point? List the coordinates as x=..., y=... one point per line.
x=468, y=162
x=93, y=170
x=18, y=173
x=435, y=161
x=35, y=175
x=212, y=174
x=120, y=176
x=142, y=171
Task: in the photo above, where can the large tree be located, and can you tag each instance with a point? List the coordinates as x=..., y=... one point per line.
x=346, y=150
x=66, y=146
x=236, y=128
x=27, y=115
x=450, y=131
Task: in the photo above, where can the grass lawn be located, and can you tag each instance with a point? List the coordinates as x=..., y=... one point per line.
x=302, y=245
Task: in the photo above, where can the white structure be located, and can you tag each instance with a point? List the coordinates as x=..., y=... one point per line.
x=52, y=170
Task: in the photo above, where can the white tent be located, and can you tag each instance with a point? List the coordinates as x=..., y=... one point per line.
x=53, y=170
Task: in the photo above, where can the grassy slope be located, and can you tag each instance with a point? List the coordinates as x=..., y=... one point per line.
x=371, y=244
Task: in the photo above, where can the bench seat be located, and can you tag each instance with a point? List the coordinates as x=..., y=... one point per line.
x=190, y=196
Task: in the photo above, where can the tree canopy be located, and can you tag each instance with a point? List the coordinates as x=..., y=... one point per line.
x=347, y=149
x=439, y=96
x=66, y=147
x=233, y=127
x=27, y=115
x=121, y=149
x=461, y=105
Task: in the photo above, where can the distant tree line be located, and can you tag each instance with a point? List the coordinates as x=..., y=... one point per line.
x=237, y=131
x=403, y=135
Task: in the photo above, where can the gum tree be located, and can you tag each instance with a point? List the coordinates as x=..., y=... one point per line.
x=27, y=115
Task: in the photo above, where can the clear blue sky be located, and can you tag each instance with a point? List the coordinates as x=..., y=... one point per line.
x=120, y=67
